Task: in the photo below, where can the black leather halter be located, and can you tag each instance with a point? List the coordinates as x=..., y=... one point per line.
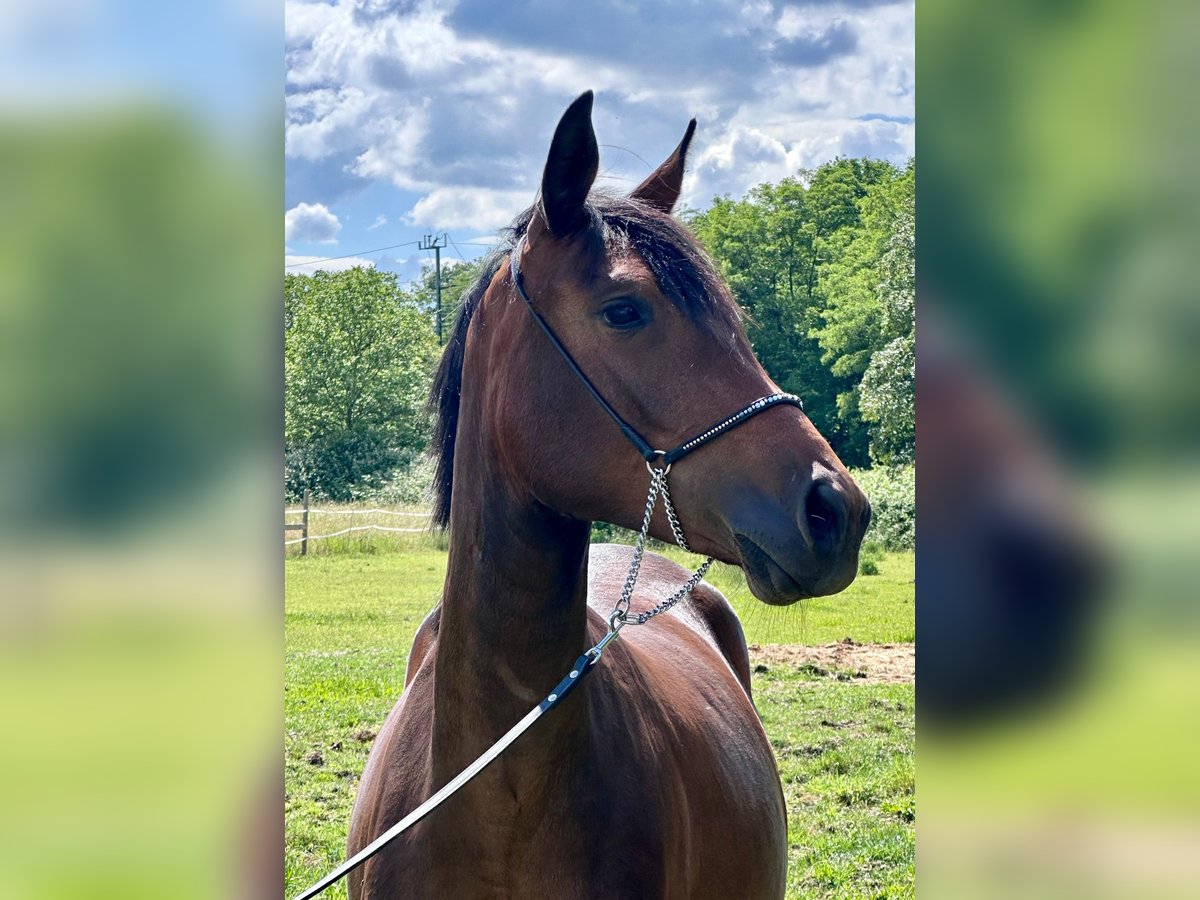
x=648, y=453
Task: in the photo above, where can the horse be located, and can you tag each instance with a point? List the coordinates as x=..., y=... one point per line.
x=655, y=779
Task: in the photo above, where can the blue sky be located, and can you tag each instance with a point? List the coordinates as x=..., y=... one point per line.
x=411, y=118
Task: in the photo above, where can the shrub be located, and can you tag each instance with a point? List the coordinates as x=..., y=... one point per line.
x=892, y=492
x=869, y=557
x=411, y=482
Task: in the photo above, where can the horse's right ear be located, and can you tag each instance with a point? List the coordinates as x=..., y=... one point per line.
x=571, y=168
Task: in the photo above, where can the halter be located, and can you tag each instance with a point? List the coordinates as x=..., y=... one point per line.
x=659, y=463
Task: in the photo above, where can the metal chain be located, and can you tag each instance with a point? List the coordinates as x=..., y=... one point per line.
x=676, y=528
x=620, y=615
x=697, y=577
x=621, y=609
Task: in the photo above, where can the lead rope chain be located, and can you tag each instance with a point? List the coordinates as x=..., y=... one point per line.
x=621, y=614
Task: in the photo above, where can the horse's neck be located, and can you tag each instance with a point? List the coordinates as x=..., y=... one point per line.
x=513, y=619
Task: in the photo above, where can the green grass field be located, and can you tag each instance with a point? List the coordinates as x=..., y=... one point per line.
x=845, y=749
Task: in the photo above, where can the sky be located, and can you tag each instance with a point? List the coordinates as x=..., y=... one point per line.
x=409, y=119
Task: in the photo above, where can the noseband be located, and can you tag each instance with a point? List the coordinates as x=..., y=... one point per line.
x=659, y=463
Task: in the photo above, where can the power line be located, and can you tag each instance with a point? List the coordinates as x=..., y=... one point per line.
x=461, y=258
x=310, y=262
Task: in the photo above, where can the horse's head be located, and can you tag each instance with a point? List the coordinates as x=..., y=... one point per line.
x=632, y=296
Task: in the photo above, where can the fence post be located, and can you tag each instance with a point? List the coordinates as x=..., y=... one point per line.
x=304, y=530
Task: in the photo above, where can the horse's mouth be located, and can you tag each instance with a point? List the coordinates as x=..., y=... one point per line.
x=769, y=581
x=778, y=585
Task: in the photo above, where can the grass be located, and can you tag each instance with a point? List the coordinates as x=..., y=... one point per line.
x=845, y=750
x=845, y=755
x=875, y=609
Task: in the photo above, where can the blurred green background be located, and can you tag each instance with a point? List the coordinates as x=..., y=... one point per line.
x=140, y=450
x=1058, y=223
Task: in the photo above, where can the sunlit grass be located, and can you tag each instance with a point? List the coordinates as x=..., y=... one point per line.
x=844, y=749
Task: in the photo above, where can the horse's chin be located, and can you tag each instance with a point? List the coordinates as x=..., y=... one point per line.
x=777, y=584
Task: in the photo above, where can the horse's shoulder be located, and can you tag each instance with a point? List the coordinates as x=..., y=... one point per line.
x=424, y=639
x=705, y=610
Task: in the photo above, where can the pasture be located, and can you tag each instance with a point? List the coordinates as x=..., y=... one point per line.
x=843, y=733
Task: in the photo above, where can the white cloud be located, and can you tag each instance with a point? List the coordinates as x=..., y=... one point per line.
x=311, y=223
x=394, y=149
x=456, y=102
x=474, y=208
x=323, y=122
x=481, y=240
x=306, y=265
x=743, y=156
x=380, y=221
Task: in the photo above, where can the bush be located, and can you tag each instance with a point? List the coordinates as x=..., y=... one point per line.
x=869, y=557
x=893, y=496
x=333, y=468
x=410, y=483
x=348, y=472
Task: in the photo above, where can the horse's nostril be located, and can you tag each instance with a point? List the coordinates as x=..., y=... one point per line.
x=822, y=515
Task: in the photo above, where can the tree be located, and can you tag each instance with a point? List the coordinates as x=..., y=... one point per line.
x=358, y=353
x=456, y=279
x=802, y=258
x=888, y=385
x=859, y=201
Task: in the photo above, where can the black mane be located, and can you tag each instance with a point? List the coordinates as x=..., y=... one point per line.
x=681, y=268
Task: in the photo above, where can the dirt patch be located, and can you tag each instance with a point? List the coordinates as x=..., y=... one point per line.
x=843, y=661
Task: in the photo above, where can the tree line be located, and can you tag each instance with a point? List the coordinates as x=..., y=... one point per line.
x=823, y=264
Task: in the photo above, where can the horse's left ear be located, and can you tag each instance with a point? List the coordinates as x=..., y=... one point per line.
x=661, y=189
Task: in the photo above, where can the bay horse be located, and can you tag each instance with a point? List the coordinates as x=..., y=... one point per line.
x=655, y=779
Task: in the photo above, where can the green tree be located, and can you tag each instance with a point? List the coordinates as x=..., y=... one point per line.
x=802, y=258
x=887, y=393
x=764, y=246
x=858, y=202
x=456, y=279
x=358, y=352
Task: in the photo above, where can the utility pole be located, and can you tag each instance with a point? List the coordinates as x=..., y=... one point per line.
x=436, y=242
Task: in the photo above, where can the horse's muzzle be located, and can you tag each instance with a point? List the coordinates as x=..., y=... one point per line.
x=804, y=548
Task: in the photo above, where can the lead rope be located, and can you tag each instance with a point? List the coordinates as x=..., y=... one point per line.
x=618, y=619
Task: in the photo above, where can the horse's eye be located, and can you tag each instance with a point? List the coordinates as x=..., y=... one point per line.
x=622, y=315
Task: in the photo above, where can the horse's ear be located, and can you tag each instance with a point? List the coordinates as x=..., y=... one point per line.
x=661, y=189
x=570, y=168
